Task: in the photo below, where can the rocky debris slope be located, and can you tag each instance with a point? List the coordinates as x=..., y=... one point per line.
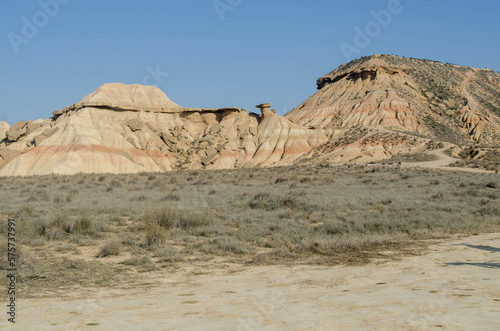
x=362, y=144
x=132, y=128
x=441, y=101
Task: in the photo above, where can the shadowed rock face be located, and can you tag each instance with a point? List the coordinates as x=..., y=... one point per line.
x=412, y=95
x=132, y=128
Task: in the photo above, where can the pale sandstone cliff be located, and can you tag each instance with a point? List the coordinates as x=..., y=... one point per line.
x=128, y=129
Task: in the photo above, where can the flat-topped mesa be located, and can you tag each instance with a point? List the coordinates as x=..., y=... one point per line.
x=121, y=97
x=130, y=97
x=118, y=96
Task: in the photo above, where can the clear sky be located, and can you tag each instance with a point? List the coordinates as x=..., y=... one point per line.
x=235, y=53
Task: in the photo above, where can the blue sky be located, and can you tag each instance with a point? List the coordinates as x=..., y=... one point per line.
x=207, y=53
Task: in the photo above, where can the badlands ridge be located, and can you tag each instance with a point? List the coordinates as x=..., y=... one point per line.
x=369, y=109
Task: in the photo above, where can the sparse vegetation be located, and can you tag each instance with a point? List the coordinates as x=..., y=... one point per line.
x=325, y=214
x=141, y=262
x=411, y=158
x=487, y=158
x=168, y=254
x=110, y=248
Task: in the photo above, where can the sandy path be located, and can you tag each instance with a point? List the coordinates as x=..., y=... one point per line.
x=442, y=162
x=454, y=286
x=464, y=90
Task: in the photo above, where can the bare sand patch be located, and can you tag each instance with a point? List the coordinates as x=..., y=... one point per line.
x=454, y=285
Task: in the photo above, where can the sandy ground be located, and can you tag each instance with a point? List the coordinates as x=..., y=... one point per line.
x=442, y=162
x=454, y=285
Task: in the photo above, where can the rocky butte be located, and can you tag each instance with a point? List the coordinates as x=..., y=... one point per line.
x=366, y=110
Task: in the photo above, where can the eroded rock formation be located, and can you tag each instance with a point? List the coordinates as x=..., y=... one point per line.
x=127, y=129
x=417, y=96
x=366, y=110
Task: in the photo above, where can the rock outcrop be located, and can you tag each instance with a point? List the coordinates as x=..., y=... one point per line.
x=410, y=95
x=366, y=110
x=130, y=129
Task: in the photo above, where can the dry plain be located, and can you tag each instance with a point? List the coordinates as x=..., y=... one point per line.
x=453, y=285
x=372, y=246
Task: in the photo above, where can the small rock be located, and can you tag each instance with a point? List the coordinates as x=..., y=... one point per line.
x=50, y=133
x=13, y=135
x=18, y=126
x=209, y=159
x=167, y=137
x=135, y=125
x=38, y=139
x=31, y=127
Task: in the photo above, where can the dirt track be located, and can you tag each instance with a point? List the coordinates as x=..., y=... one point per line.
x=454, y=286
x=442, y=162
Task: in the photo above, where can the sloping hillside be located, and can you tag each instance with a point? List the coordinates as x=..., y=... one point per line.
x=367, y=110
x=442, y=101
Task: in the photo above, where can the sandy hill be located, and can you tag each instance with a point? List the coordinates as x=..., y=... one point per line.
x=133, y=128
x=383, y=104
x=420, y=96
x=365, y=110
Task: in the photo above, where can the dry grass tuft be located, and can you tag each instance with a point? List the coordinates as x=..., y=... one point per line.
x=330, y=214
x=172, y=218
x=110, y=248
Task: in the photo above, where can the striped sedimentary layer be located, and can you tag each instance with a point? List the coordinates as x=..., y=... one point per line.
x=442, y=101
x=105, y=134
